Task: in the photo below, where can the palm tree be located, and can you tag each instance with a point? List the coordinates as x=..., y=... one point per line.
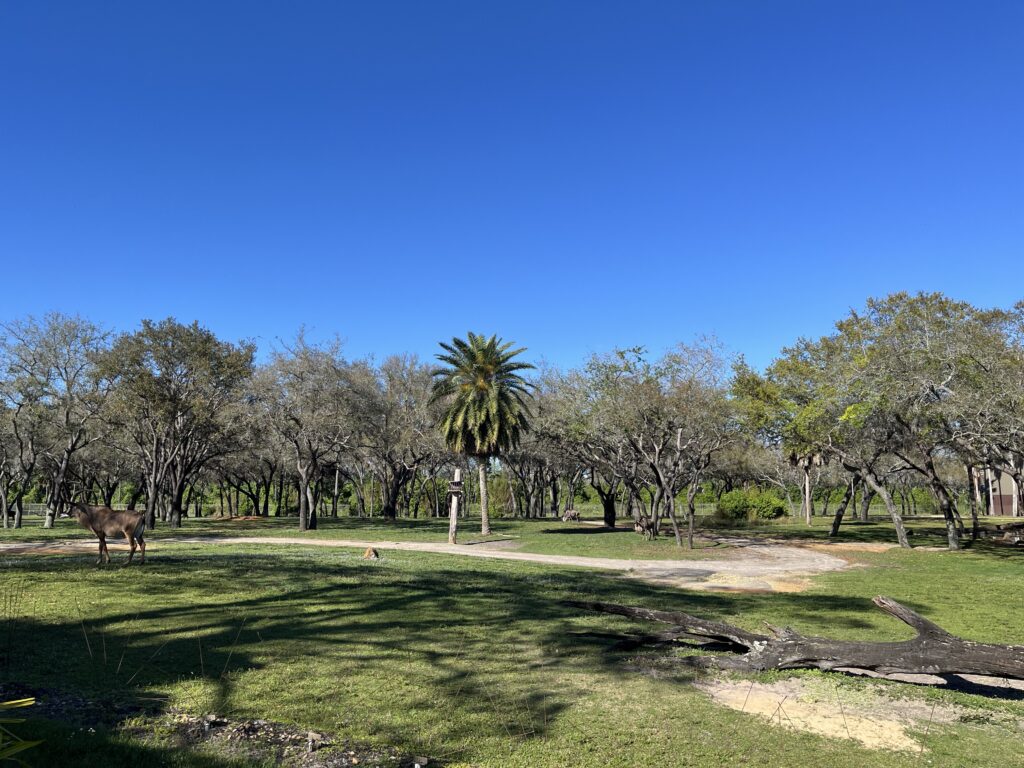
x=485, y=398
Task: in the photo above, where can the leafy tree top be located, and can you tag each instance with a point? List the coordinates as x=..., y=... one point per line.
x=485, y=396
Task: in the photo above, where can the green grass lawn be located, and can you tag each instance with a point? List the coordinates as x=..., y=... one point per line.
x=473, y=662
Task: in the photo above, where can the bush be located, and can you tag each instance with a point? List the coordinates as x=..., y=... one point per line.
x=767, y=506
x=751, y=504
x=733, y=505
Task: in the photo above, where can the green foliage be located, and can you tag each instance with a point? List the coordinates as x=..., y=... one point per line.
x=768, y=506
x=754, y=504
x=484, y=395
x=733, y=505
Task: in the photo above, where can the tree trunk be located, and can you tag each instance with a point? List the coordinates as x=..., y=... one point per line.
x=808, y=508
x=890, y=505
x=19, y=509
x=841, y=509
x=933, y=651
x=177, y=494
x=303, y=505
x=280, y=494
x=975, y=522
x=311, y=520
x=608, y=509
x=390, y=492
x=675, y=523
x=137, y=491
x=485, y=518
x=57, y=497
x=946, y=505
x=975, y=490
x=691, y=512
x=152, y=497
x=334, y=495
x=435, y=495
x=607, y=498
x=268, y=485
x=865, y=504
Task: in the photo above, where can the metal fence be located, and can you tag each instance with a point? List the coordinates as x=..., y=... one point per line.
x=31, y=509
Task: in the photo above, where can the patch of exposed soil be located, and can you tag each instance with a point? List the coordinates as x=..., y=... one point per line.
x=256, y=740
x=866, y=715
x=75, y=709
x=262, y=740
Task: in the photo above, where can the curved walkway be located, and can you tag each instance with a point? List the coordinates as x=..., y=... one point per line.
x=753, y=566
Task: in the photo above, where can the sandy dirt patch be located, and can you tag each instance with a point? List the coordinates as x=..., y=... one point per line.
x=866, y=716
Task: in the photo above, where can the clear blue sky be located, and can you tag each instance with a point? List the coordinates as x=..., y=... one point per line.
x=571, y=175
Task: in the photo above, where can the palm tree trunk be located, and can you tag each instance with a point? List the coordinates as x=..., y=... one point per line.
x=485, y=519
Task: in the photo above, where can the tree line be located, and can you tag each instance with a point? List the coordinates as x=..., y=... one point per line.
x=913, y=401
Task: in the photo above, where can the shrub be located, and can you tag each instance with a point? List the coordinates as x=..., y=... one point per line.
x=751, y=504
x=767, y=506
x=733, y=505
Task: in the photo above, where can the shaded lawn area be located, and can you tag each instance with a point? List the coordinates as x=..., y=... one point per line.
x=473, y=662
x=923, y=531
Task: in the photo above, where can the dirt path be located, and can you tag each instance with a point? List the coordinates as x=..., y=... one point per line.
x=752, y=566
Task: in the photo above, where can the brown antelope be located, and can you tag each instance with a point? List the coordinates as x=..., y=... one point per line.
x=571, y=514
x=646, y=527
x=104, y=521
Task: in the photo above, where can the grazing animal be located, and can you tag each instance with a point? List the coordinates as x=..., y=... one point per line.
x=646, y=527
x=104, y=521
x=571, y=514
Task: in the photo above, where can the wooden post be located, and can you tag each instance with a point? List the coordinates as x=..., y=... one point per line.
x=453, y=515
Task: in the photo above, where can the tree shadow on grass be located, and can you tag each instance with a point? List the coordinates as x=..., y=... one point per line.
x=922, y=532
x=590, y=529
x=466, y=650
x=995, y=550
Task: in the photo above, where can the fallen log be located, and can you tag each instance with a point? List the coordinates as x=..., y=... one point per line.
x=934, y=651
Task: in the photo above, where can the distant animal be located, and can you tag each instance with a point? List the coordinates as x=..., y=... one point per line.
x=104, y=521
x=571, y=514
x=646, y=527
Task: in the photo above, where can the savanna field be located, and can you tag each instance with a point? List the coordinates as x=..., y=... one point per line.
x=465, y=661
